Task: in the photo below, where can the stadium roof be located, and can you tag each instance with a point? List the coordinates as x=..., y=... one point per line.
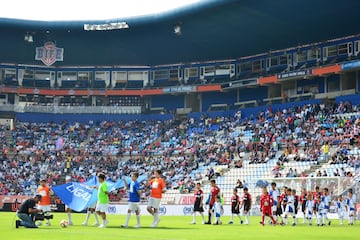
x=211, y=30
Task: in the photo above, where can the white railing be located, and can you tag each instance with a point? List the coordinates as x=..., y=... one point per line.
x=73, y=109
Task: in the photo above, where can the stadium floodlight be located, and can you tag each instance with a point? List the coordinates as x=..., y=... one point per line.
x=177, y=29
x=28, y=38
x=106, y=26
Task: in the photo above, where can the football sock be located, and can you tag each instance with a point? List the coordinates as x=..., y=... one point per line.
x=88, y=213
x=96, y=217
x=273, y=220
x=138, y=219
x=69, y=217
x=247, y=218
x=202, y=217
x=127, y=219
x=156, y=216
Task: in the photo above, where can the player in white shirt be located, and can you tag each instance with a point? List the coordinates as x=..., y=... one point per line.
x=218, y=210
x=290, y=208
x=340, y=207
x=319, y=206
x=350, y=206
x=275, y=194
x=309, y=208
x=326, y=198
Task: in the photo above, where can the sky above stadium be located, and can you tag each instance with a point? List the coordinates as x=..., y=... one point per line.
x=78, y=10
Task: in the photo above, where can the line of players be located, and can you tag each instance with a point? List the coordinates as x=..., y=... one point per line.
x=282, y=206
x=313, y=205
x=279, y=207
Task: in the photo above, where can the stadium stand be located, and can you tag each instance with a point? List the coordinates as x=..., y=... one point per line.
x=282, y=143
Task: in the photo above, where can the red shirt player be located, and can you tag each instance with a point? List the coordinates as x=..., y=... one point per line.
x=317, y=194
x=265, y=206
x=215, y=191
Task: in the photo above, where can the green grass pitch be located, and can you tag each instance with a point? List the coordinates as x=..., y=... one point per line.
x=176, y=228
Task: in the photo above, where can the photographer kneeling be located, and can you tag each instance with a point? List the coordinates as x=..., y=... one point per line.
x=27, y=213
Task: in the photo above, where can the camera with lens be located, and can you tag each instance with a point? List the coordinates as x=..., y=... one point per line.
x=42, y=216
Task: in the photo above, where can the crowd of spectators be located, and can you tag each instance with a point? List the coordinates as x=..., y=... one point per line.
x=178, y=148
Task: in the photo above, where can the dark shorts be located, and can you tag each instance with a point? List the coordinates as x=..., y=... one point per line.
x=235, y=210
x=279, y=211
x=247, y=208
x=303, y=207
x=197, y=208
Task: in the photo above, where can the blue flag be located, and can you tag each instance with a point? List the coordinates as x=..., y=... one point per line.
x=79, y=196
x=75, y=195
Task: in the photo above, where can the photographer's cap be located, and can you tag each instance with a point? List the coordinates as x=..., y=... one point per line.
x=38, y=196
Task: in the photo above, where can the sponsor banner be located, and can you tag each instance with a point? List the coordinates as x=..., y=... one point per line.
x=295, y=74
x=350, y=65
x=187, y=210
x=12, y=199
x=175, y=210
x=13, y=207
x=179, y=89
x=164, y=210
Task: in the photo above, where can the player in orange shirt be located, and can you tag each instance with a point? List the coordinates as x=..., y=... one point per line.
x=44, y=204
x=158, y=187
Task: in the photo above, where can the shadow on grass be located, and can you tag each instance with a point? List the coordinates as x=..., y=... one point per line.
x=148, y=227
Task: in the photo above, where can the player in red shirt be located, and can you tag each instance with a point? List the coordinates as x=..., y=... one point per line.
x=246, y=205
x=214, y=191
x=235, y=206
x=317, y=194
x=303, y=199
x=266, y=203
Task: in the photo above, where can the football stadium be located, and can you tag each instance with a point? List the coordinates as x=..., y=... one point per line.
x=193, y=119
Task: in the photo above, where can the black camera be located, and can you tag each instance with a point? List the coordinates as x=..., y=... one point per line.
x=42, y=217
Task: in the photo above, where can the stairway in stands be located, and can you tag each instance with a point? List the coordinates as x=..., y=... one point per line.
x=10, y=143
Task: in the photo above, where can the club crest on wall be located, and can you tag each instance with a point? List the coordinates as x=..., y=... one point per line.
x=49, y=53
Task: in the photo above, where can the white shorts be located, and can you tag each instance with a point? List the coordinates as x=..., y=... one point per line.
x=133, y=206
x=289, y=209
x=351, y=213
x=341, y=214
x=44, y=208
x=308, y=214
x=154, y=202
x=274, y=208
x=102, y=207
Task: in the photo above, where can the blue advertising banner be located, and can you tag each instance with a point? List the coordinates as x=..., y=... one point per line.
x=350, y=65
